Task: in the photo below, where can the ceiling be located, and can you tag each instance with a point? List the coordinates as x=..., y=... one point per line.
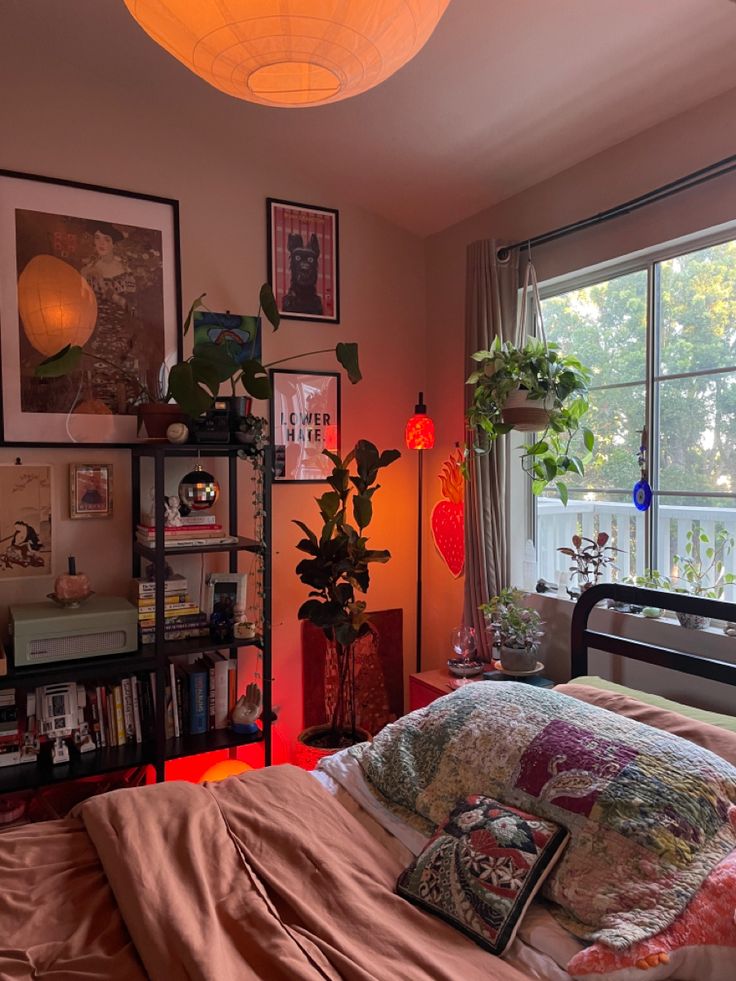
x=505, y=94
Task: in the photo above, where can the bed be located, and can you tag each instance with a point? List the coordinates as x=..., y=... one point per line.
x=283, y=874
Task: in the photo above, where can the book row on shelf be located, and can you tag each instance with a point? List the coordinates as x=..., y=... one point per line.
x=201, y=692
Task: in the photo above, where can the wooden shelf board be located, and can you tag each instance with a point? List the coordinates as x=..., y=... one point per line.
x=186, y=449
x=208, y=742
x=30, y=776
x=241, y=545
x=200, y=645
x=88, y=669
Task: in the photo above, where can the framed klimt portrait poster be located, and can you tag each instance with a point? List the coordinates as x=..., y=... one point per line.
x=304, y=261
x=25, y=521
x=90, y=490
x=97, y=269
x=305, y=420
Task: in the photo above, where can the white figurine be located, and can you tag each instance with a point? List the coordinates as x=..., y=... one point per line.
x=172, y=514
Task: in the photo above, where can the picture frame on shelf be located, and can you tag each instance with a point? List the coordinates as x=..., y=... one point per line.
x=304, y=260
x=90, y=490
x=109, y=259
x=26, y=522
x=304, y=421
x=225, y=590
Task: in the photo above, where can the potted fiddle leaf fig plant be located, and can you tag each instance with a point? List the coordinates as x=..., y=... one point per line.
x=193, y=383
x=337, y=572
x=535, y=388
x=516, y=630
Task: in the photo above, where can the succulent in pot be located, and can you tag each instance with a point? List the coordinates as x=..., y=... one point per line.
x=516, y=630
x=535, y=388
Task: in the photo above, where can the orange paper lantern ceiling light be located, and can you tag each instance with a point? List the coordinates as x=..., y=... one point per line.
x=290, y=52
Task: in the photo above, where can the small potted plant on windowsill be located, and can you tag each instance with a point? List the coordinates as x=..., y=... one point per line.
x=535, y=388
x=516, y=630
x=651, y=579
x=590, y=559
x=701, y=571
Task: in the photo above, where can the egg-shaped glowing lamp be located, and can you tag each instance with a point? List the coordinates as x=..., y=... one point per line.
x=420, y=428
x=290, y=52
x=56, y=305
x=223, y=770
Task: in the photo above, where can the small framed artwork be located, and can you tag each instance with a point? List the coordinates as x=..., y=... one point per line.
x=304, y=262
x=225, y=591
x=90, y=490
x=305, y=420
x=25, y=522
x=98, y=269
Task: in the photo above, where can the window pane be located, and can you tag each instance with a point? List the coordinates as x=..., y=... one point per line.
x=701, y=515
x=604, y=325
x=615, y=417
x=588, y=514
x=698, y=310
x=697, y=432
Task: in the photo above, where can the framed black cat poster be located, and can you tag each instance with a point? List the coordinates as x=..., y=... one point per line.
x=303, y=260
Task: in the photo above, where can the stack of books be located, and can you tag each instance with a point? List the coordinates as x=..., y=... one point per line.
x=184, y=618
x=195, y=530
x=201, y=694
x=10, y=735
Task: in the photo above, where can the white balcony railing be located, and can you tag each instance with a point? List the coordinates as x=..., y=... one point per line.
x=625, y=525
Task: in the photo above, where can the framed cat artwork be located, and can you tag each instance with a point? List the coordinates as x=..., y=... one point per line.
x=303, y=264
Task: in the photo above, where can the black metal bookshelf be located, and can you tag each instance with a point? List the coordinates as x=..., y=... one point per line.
x=159, y=554
x=156, y=656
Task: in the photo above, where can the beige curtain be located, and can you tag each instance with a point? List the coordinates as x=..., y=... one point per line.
x=490, y=311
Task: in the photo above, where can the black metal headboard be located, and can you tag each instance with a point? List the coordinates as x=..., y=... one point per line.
x=583, y=638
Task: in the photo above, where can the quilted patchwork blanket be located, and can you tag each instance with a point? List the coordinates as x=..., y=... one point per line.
x=649, y=814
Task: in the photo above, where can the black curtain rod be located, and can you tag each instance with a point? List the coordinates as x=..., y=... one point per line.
x=709, y=173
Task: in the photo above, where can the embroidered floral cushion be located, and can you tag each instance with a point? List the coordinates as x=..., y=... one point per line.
x=701, y=943
x=650, y=815
x=482, y=868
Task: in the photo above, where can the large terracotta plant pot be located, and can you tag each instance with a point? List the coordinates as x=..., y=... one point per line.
x=154, y=418
x=308, y=755
x=526, y=415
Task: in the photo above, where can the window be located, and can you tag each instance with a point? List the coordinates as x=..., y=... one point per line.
x=660, y=339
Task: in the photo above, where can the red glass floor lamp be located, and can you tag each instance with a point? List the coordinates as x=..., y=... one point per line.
x=420, y=437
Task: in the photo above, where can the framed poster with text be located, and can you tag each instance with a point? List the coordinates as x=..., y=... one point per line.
x=304, y=261
x=305, y=419
x=98, y=269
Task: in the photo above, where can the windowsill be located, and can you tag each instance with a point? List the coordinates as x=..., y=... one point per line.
x=667, y=633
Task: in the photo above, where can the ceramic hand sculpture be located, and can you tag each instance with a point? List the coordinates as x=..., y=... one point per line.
x=247, y=709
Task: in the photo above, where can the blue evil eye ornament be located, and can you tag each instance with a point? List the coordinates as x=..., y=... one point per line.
x=642, y=495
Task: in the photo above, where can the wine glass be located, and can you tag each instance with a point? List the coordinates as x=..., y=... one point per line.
x=463, y=643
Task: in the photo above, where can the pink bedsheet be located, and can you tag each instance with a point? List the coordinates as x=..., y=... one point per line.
x=264, y=876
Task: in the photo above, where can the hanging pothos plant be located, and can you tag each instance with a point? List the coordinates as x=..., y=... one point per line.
x=555, y=386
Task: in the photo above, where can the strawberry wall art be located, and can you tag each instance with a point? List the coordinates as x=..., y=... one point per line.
x=448, y=515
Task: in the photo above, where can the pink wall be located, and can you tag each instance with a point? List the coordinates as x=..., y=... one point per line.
x=668, y=151
x=58, y=122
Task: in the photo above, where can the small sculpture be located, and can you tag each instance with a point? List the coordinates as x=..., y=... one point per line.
x=172, y=514
x=247, y=709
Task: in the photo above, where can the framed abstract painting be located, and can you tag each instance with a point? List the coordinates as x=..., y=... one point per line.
x=305, y=420
x=304, y=261
x=94, y=267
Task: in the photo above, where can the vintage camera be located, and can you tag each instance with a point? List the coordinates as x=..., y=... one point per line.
x=213, y=426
